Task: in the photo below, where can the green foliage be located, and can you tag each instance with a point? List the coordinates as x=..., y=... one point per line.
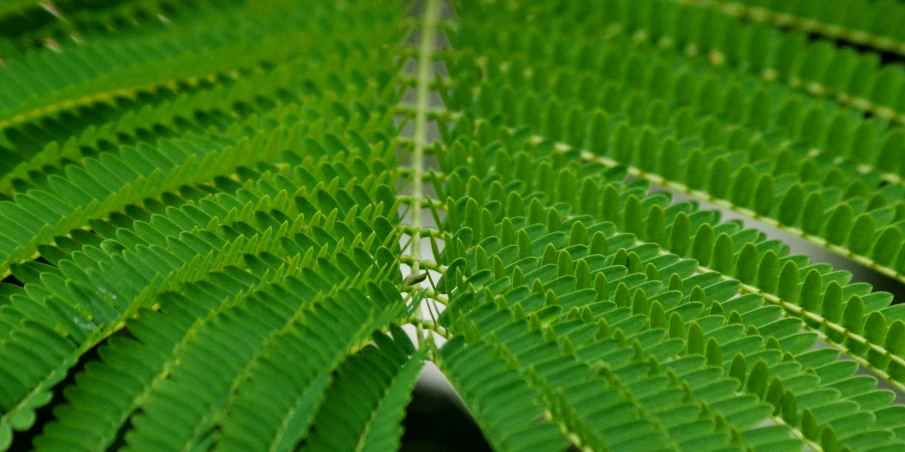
x=211, y=224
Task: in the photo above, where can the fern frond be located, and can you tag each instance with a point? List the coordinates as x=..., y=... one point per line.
x=214, y=230
x=179, y=242
x=784, y=280
x=147, y=361
x=124, y=69
x=861, y=218
x=363, y=410
x=556, y=222
x=148, y=172
x=205, y=110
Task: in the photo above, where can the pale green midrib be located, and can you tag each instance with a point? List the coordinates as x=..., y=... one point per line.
x=430, y=19
x=761, y=14
x=422, y=98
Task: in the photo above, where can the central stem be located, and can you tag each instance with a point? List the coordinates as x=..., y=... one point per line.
x=430, y=19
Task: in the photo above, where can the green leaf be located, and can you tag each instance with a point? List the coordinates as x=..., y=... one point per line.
x=713, y=352
x=875, y=331
x=787, y=289
x=812, y=215
x=611, y=204
x=669, y=154
x=589, y=198
x=862, y=234
x=789, y=408
x=768, y=272
x=695, y=340
x=623, y=144
x=790, y=208
x=599, y=138
x=895, y=338
x=696, y=170
x=747, y=266
x=852, y=318
x=720, y=178
x=840, y=224
x=764, y=193
x=640, y=303
x=831, y=307
x=632, y=217
x=774, y=395
x=723, y=251
x=809, y=424
x=702, y=248
x=655, y=228
x=757, y=379
x=887, y=245
x=738, y=368
x=743, y=184
x=647, y=149
x=679, y=234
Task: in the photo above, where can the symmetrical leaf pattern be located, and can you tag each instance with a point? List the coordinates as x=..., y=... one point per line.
x=217, y=216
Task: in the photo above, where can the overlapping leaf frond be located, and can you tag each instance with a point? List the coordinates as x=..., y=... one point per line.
x=814, y=168
x=551, y=106
x=209, y=210
x=245, y=211
x=558, y=263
